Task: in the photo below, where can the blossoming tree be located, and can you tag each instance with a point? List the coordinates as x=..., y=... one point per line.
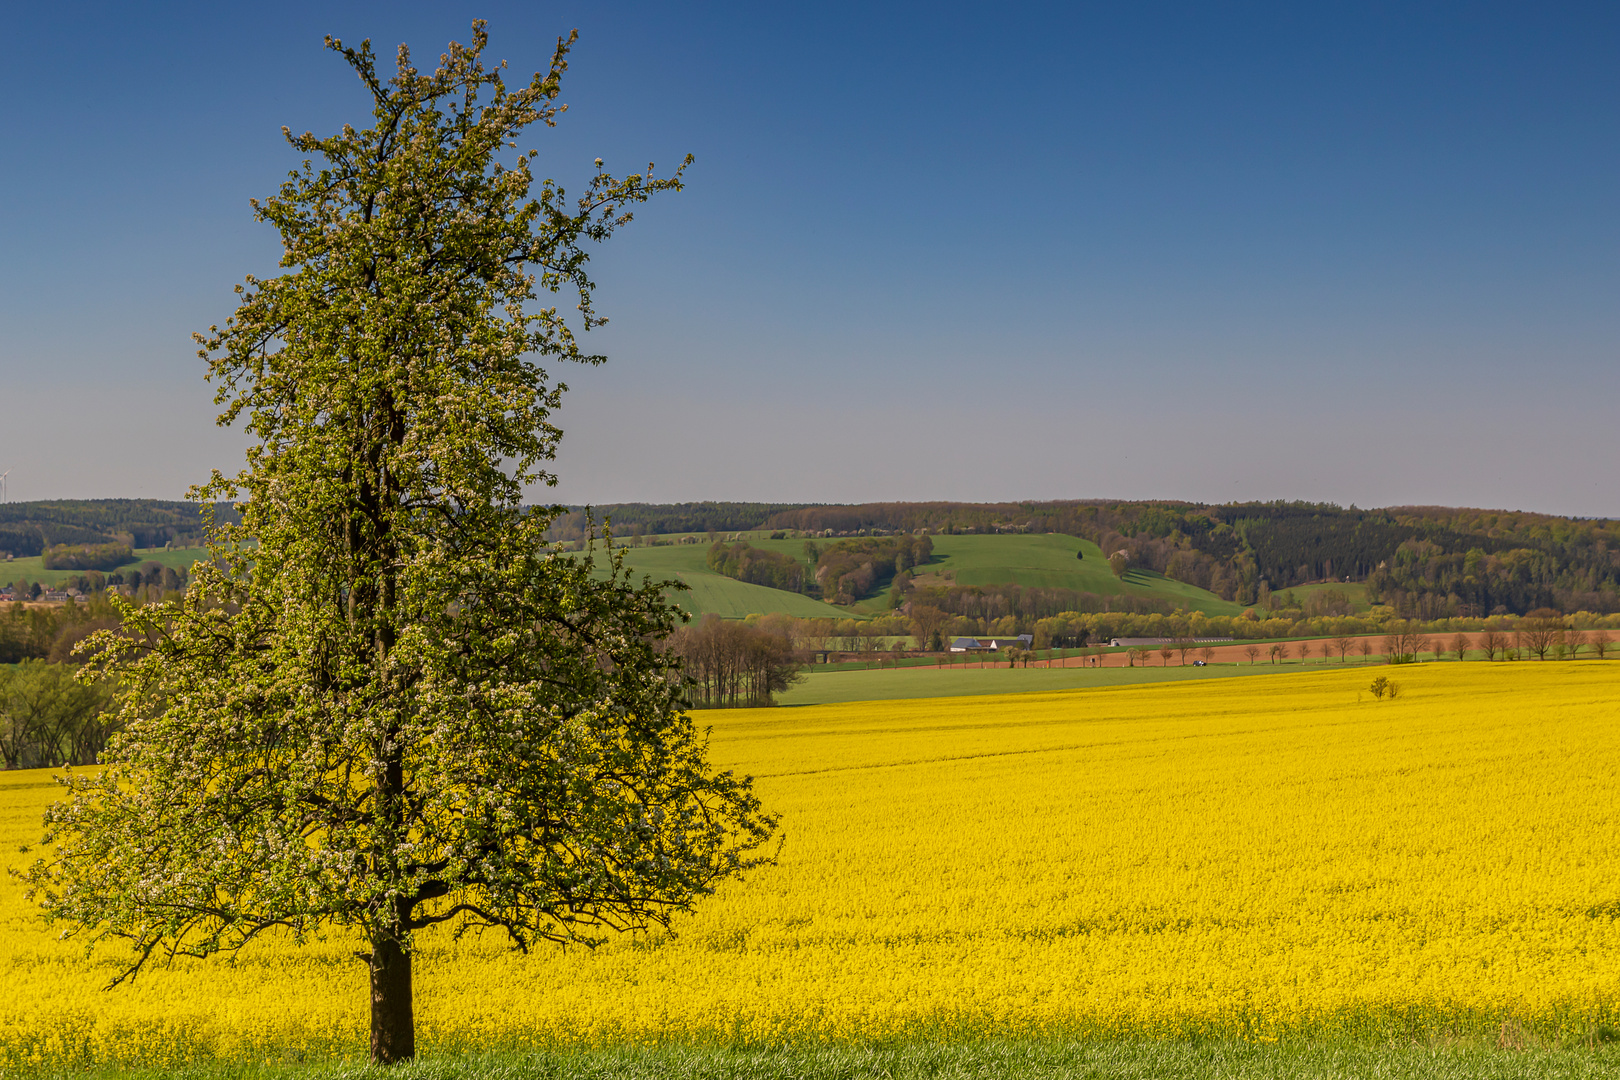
x=387, y=703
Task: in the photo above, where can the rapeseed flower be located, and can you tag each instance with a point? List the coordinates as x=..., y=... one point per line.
x=1255, y=858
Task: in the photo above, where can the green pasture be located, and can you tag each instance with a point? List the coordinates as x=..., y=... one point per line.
x=879, y=684
x=1048, y=561
x=33, y=568
x=711, y=592
x=870, y=661
x=1354, y=591
x=1041, y=561
x=919, y=677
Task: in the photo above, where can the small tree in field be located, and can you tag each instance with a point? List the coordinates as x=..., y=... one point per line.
x=1459, y=646
x=1402, y=642
x=388, y=703
x=1539, y=631
x=1599, y=643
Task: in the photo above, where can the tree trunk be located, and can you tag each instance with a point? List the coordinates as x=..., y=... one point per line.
x=393, y=1018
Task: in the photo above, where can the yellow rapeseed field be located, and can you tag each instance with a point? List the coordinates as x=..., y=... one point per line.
x=1258, y=858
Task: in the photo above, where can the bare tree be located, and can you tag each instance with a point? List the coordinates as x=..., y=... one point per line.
x=816, y=633
x=1165, y=652
x=1599, y=643
x=1402, y=642
x=1459, y=646
x=1207, y=653
x=1343, y=644
x=1539, y=631
x=926, y=621
x=869, y=640
x=1574, y=641
x=1252, y=651
x=732, y=663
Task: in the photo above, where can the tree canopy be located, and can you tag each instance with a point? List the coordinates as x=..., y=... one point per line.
x=387, y=703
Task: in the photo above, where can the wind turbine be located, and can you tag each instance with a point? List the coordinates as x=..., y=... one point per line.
x=3, y=476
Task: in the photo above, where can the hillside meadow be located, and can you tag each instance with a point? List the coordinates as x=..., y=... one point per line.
x=1030, y=560
x=1353, y=591
x=829, y=687
x=1048, y=561
x=1245, y=860
x=708, y=592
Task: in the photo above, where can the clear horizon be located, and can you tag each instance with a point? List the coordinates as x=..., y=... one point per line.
x=925, y=253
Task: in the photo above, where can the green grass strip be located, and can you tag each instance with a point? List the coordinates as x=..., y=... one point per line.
x=1010, y=1060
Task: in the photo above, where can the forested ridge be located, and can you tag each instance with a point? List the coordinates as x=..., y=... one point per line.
x=30, y=528
x=651, y=519
x=1423, y=561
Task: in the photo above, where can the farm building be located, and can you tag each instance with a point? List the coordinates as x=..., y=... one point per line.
x=970, y=644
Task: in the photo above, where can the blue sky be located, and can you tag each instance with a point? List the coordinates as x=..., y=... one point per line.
x=1359, y=253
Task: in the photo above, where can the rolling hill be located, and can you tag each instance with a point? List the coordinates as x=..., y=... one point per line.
x=1047, y=561
x=1033, y=561
x=711, y=592
x=33, y=569
x=1423, y=561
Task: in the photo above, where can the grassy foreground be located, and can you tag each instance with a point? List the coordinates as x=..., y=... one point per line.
x=1012, y=1060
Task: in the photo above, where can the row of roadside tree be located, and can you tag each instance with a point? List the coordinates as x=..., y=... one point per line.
x=929, y=629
